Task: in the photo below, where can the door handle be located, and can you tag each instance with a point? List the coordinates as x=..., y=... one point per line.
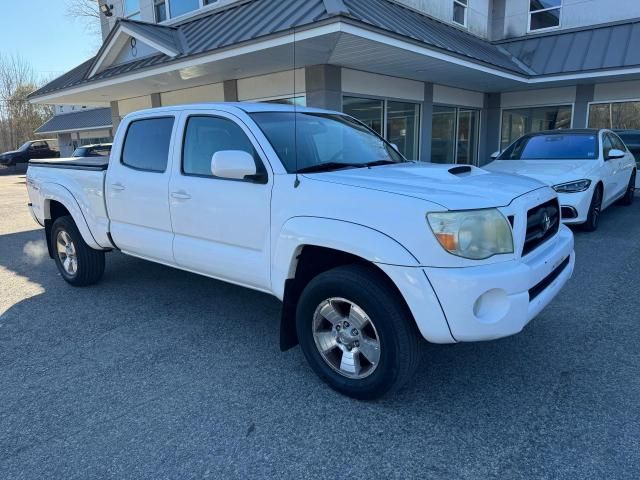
x=118, y=187
x=181, y=196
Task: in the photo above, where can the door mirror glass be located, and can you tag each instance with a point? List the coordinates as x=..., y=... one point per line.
x=615, y=153
x=233, y=165
x=495, y=155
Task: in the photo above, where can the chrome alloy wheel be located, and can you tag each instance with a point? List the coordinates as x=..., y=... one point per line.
x=346, y=338
x=67, y=252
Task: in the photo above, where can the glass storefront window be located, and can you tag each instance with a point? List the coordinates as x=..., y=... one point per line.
x=370, y=112
x=402, y=127
x=454, y=135
x=521, y=121
x=398, y=122
x=618, y=115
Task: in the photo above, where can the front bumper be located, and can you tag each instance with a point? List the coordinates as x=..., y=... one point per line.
x=580, y=202
x=489, y=301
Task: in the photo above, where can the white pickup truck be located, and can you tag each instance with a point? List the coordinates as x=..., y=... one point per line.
x=368, y=252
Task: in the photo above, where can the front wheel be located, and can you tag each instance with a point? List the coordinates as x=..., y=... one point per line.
x=356, y=333
x=630, y=194
x=595, y=209
x=79, y=264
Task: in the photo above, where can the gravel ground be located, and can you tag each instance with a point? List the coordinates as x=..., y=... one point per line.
x=156, y=373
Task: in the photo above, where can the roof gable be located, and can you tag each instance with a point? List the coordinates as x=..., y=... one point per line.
x=131, y=40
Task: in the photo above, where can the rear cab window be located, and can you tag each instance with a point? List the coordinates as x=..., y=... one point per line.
x=146, y=144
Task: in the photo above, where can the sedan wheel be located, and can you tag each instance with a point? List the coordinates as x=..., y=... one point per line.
x=593, y=219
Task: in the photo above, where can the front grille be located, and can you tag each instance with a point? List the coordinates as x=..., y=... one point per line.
x=542, y=286
x=543, y=222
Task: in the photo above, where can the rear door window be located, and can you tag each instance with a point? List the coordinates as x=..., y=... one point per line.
x=146, y=144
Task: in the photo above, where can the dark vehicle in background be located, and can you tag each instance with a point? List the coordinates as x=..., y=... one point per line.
x=631, y=138
x=97, y=150
x=33, y=149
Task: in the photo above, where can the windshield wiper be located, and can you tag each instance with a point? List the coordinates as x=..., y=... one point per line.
x=378, y=163
x=327, y=167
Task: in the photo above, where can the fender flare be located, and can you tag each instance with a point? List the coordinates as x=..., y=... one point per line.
x=359, y=240
x=58, y=193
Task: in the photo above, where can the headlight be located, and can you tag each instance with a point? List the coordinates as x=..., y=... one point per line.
x=472, y=234
x=573, y=187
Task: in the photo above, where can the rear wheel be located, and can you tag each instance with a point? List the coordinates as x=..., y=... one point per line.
x=79, y=264
x=630, y=194
x=595, y=209
x=356, y=332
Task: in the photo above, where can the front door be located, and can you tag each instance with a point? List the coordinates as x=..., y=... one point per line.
x=221, y=226
x=137, y=187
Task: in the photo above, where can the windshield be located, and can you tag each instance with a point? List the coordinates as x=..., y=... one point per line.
x=323, y=140
x=24, y=146
x=573, y=146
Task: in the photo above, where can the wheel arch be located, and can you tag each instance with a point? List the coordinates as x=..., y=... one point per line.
x=58, y=201
x=308, y=247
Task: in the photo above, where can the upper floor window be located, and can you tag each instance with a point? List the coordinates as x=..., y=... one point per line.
x=544, y=14
x=460, y=12
x=160, y=7
x=132, y=9
x=165, y=9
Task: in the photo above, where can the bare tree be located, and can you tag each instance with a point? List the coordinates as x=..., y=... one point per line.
x=87, y=12
x=18, y=117
x=83, y=9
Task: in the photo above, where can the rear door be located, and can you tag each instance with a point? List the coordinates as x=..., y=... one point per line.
x=137, y=188
x=221, y=226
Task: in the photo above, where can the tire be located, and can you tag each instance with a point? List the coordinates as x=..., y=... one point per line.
x=595, y=210
x=355, y=293
x=630, y=194
x=85, y=266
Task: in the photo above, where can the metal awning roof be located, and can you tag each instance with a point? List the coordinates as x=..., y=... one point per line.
x=605, y=46
x=254, y=19
x=91, y=119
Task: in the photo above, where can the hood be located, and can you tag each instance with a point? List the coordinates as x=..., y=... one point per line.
x=551, y=172
x=434, y=183
x=10, y=152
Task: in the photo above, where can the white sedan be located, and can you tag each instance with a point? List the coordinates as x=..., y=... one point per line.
x=590, y=170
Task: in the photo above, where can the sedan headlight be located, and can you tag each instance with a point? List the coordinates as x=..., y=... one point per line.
x=472, y=234
x=573, y=187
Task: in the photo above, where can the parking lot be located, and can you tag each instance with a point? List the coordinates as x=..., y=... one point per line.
x=157, y=373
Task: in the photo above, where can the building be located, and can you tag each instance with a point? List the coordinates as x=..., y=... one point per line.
x=76, y=125
x=445, y=80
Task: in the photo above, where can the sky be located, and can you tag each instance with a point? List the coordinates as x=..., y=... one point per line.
x=42, y=33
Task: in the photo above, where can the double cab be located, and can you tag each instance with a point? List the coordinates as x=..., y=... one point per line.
x=369, y=253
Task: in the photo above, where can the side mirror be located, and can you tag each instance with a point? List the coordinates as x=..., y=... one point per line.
x=615, y=153
x=495, y=155
x=233, y=165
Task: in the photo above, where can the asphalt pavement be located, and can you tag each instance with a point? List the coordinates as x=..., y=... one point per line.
x=156, y=373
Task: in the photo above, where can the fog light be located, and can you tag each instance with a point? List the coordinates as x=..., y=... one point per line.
x=492, y=306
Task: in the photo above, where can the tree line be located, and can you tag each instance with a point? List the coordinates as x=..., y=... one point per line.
x=18, y=117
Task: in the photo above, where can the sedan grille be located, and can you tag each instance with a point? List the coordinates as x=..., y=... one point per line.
x=543, y=222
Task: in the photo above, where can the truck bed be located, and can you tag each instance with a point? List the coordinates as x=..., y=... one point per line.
x=86, y=163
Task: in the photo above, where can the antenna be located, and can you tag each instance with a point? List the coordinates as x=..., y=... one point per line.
x=296, y=184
